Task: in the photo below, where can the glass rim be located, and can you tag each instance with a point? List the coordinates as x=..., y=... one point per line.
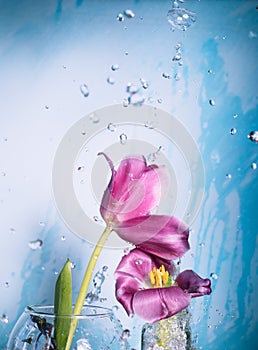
x=48, y=311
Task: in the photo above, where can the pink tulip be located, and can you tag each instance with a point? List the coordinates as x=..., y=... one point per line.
x=134, y=191
x=138, y=296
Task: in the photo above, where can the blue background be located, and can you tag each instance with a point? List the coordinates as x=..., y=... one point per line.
x=48, y=49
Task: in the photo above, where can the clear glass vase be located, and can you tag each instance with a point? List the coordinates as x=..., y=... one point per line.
x=171, y=333
x=97, y=329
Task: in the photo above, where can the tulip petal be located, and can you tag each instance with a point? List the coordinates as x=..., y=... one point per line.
x=135, y=189
x=193, y=284
x=160, y=235
x=156, y=304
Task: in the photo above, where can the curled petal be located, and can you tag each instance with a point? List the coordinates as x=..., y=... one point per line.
x=160, y=235
x=134, y=189
x=193, y=284
x=126, y=287
x=156, y=304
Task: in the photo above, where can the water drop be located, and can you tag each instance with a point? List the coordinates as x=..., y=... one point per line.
x=123, y=139
x=42, y=224
x=233, y=131
x=80, y=168
x=166, y=75
x=4, y=318
x=180, y=18
x=138, y=262
x=94, y=118
x=235, y=116
x=125, y=102
x=126, y=251
x=253, y=136
x=177, y=57
x=131, y=88
x=3, y=173
x=6, y=284
x=159, y=100
x=209, y=71
x=34, y=245
x=84, y=90
x=126, y=334
x=115, y=67
x=63, y=238
x=228, y=176
x=136, y=99
x=214, y=276
x=252, y=35
x=46, y=107
x=178, y=46
x=212, y=102
x=97, y=219
x=202, y=244
x=129, y=13
x=120, y=17
x=111, y=80
x=111, y=127
x=73, y=265
x=144, y=83
x=254, y=166
x=12, y=230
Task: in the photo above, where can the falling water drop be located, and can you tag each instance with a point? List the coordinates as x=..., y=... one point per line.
x=180, y=18
x=254, y=166
x=110, y=80
x=34, y=245
x=120, y=17
x=233, y=131
x=125, y=334
x=228, y=176
x=4, y=318
x=6, y=284
x=212, y=102
x=129, y=13
x=144, y=83
x=115, y=67
x=253, y=136
x=84, y=90
x=123, y=139
x=214, y=276
x=111, y=127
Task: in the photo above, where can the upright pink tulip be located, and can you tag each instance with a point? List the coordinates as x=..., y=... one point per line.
x=134, y=191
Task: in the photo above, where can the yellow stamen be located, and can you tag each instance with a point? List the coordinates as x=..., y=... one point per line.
x=159, y=277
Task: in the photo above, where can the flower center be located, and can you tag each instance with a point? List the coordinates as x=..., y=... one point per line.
x=159, y=277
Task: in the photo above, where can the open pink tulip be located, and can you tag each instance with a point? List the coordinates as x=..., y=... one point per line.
x=134, y=191
x=134, y=292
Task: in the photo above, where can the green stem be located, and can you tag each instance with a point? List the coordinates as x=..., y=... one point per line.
x=85, y=284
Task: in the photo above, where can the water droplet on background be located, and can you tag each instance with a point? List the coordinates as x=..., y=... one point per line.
x=166, y=75
x=254, y=166
x=177, y=57
x=214, y=276
x=233, y=131
x=34, y=245
x=235, y=116
x=131, y=88
x=94, y=118
x=80, y=168
x=228, y=176
x=84, y=90
x=212, y=102
x=115, y=67
x=125, y=102
x=144, y=83
x=111, y=80
x=253, y=136
x=180, y=18
x=63, y=238
x=6, y=284
x=123, y=139
x=129, y=13
x=125, y=334
x=4, y=318
x=111, y=127
x=120, y=17
x=136, y=99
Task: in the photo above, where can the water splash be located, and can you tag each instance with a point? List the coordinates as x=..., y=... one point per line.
x=98, y=280
x=180, y=18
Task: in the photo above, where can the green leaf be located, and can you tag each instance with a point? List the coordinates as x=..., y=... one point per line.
x=63, y=305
